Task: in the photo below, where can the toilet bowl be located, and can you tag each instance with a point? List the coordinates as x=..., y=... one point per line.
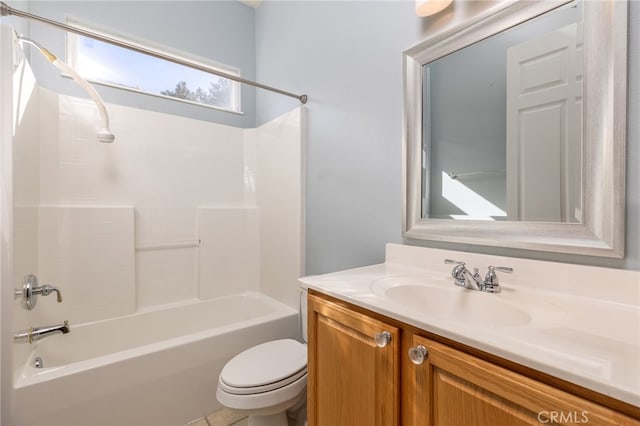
x=267, y=380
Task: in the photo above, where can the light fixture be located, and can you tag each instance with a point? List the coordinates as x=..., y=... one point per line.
x=430, y=7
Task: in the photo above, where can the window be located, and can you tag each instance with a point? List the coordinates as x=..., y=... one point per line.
x=110, y=65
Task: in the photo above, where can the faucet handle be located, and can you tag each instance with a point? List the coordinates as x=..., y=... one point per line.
x=48, y=289
x=458, y=272
x=491, y=282
x=30, y=291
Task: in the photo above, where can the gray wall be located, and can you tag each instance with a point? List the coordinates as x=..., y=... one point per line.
x=222, y=31
x=347, y=57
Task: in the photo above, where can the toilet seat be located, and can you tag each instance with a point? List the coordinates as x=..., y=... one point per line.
x=263, y=388
x=271, y=402
x=265, y=368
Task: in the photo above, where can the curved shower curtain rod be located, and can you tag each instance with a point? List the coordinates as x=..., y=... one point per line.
x=6, y=10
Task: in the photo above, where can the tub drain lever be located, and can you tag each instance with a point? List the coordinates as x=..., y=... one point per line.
x=30, y=291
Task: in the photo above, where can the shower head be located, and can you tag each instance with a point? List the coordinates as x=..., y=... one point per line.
x=104, y=134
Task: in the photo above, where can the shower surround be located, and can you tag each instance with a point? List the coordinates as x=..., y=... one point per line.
x=176, y=210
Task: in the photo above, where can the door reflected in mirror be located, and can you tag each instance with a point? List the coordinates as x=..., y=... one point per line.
x=502, y=125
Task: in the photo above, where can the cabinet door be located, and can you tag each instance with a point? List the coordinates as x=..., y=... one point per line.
x=454, y=388
x=351, y=380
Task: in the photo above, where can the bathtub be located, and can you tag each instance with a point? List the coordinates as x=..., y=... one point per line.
x=157, y=367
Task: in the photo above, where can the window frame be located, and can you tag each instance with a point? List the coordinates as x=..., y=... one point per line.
x=71, y=44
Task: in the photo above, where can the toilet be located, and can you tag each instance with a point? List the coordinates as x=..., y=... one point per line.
x=267, y=380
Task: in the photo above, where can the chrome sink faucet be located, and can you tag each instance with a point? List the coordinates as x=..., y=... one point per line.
x=464, y=278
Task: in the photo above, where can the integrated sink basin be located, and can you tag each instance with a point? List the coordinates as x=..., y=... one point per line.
x=451, y=303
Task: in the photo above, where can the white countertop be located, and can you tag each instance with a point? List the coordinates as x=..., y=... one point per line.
x=568, y=330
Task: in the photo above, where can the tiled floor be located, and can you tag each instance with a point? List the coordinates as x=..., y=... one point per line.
x=226, y=417
x=222, y=417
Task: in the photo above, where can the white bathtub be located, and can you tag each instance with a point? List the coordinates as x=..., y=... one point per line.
x=158, y=367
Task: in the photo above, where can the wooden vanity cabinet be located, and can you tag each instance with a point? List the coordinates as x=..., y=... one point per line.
x=352, y=381
x=454, y=388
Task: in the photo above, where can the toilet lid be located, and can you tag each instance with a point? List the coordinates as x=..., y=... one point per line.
x=266, y=364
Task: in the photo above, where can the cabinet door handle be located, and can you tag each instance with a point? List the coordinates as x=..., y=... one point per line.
x=418, y=354
x=382, y=339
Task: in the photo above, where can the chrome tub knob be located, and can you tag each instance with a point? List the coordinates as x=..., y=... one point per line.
x=30, y=291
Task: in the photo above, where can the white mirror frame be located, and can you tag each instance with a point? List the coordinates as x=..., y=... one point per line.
x=602, y=232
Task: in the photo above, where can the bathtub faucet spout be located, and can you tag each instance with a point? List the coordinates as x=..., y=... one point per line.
x=38, y=333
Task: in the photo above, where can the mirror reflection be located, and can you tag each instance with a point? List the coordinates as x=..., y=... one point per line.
x=502, y=125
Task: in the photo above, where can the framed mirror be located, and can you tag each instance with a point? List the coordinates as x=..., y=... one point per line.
x=515, y=129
